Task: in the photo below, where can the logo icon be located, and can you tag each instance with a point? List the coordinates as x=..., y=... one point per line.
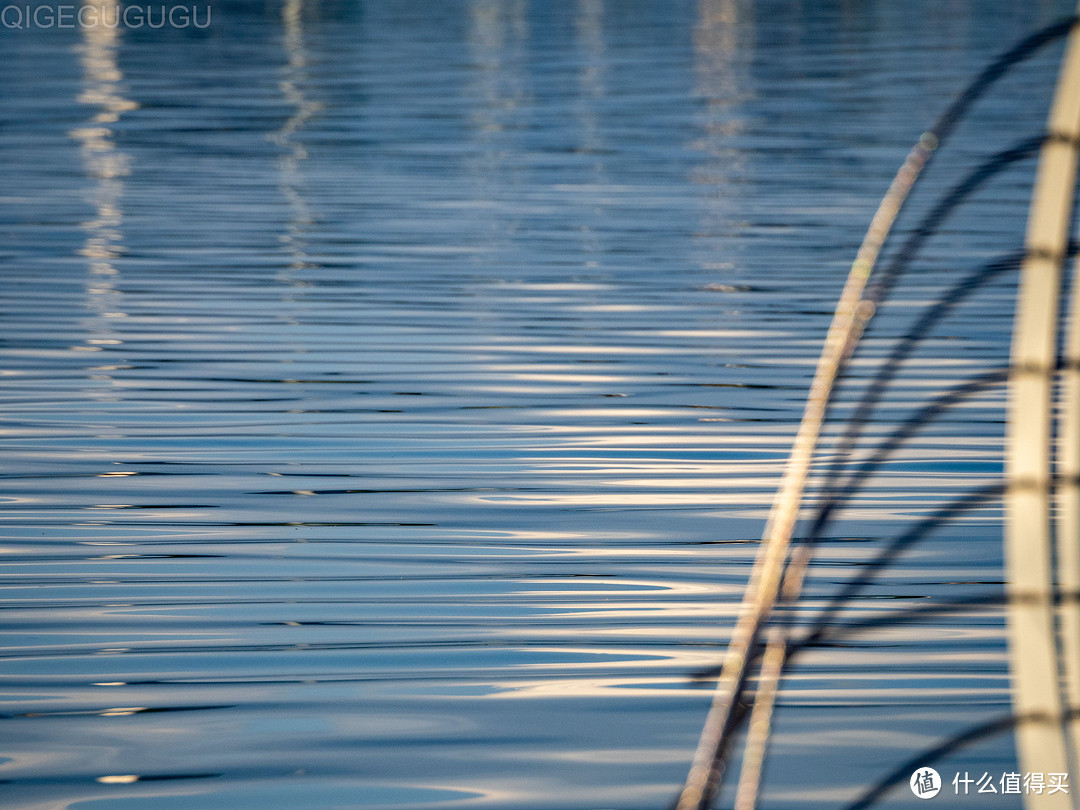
x=925, y=783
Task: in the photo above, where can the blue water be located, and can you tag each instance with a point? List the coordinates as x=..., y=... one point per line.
x=394, y=393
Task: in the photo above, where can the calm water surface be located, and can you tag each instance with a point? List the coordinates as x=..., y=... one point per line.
x=394, y=393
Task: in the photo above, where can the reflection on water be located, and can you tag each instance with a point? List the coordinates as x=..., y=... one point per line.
x=106, y=166
x=292, y=89
x=394, y=394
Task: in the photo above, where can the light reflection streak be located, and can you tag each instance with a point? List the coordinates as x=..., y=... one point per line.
x=588, y=26
x=609, y=588
x=675, y=686
x=601, y=756
x=107, y=166
x=497, y=37
x=621, y=688
x=304, y=109
x=627, y=500
x=723, y=37
x=550, y=348
x=554, y=286
x=833, y=672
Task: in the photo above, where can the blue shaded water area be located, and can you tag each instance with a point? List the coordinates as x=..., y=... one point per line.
x=394, y=394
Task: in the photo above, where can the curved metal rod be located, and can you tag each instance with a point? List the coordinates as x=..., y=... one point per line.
x=1068, y=512
x=1034, y=649
x=703, y=779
